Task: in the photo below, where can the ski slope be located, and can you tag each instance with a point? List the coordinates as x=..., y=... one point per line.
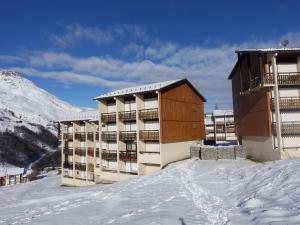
x=187, y=192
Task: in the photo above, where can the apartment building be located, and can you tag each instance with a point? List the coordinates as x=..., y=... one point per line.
x=138, y=131
x=266, y=100
x=219, y=127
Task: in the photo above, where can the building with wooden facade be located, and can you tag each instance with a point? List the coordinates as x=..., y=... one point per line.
x=11, y=175
x=266, y=100
x=219, y=127
x=137, y=131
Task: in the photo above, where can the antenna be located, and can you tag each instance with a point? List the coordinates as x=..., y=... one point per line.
x=285, y=43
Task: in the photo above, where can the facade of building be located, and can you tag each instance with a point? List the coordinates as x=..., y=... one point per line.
x=10, y=175
x=138, y=131
x=219, y=127
x=266, y=100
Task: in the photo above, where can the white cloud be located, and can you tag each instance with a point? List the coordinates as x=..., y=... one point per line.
x=76, y=34
x=10, y=59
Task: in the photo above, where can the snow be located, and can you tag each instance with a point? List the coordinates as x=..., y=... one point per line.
x=223, y=112
x=139, y=89
x=268, y=50
x=23, y=103
x=187, y=192
x=7, y=169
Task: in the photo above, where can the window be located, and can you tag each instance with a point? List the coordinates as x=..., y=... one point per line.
x=131, y=146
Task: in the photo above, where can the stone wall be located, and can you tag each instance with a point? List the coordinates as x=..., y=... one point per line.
x=218, y=152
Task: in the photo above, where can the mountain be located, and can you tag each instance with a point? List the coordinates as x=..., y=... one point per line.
x=27, y=120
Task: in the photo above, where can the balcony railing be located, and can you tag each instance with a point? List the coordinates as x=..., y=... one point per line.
x=68, y=136
x=68, y=165
x=127, y=135
x=80, y=136
x=127, y=116
x=97, y=152
x=149, y=135
x=97, y=136
x=288, y=128
x=109, y=155
x=90, y=136
x=148, y=114
x=287, y=103
x=80, y=151
x=91, y=167
x=68, y=151
x=108, y=117
x=109, y=136
x=218, y=138
x=90, y=152
x=284, y=78
x=80, y=166
x=128, y=155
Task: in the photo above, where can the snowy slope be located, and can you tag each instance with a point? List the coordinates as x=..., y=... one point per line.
x=189, y=192
x=28, y=103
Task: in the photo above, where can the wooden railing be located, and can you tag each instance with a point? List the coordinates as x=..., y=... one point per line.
x=127, y=135
x=80, y=151
x=148, y=114
x=97, y=152
x=68, y=151
x=68, y=136
x=288, y=128
x=287, y=103
x=218, y=138
x=109, y=135
x=128, y=155
x=97, y=136
x=80, y=136
x=284, y=78
x=109, y=155
x=90, y=136
x=108, y=117
x=80, y=166
x=90, y=152
x=127, y=116
x=149, y=135
x=91, y=167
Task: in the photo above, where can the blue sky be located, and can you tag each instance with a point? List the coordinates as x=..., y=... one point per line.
x=79, y=49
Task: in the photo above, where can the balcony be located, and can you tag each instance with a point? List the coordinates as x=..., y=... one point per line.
x=97, y=136
x=128, y=155
x=80, y=166
x=90, y=136
x=285, y=78
x=91, y=167
x=80, y=151
x=109, y=136
x=90, y=152
x=68, y=136
x=80, y=136
x=288, y=128
x=127, y=135
x=127, y=116
x=109, y=155
x=68, y=165
x=97, y=152
x=108, y=117
x=68, y=151
x=148, y=114
x=287, y=103
x=149, y=135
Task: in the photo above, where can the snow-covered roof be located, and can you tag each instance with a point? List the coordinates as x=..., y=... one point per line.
x=91, y=115
x=208, y=121
x=222, y=112
x=139, y=89
x=268, y=50
x=10, y=170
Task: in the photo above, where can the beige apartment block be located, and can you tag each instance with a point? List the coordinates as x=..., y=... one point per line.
x=135, y=132
x=266, y=100
x=219, y=127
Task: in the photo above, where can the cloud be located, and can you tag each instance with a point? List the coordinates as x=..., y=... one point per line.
x=77, y=34
x=11, y=59
x=207, y=67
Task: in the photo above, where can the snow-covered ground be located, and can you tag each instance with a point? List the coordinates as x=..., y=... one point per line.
x=188, y=192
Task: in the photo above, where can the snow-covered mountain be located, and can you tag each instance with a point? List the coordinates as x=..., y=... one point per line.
x=27, y=119
x=21, y=101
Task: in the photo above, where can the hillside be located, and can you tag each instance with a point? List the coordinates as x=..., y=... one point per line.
x=27, y=120
x=189, y=192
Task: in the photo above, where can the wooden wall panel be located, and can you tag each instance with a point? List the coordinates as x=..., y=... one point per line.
x=252, y=111
x=181, y=115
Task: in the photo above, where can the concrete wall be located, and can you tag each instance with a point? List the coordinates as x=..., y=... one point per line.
x=75, y=182
x=260, y=148
x=176, y=151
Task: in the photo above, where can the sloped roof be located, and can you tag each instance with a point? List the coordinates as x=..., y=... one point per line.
x=147, y=88
x=265, y=50
x=90, y=115
x=10, y=170
x=222, y=112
